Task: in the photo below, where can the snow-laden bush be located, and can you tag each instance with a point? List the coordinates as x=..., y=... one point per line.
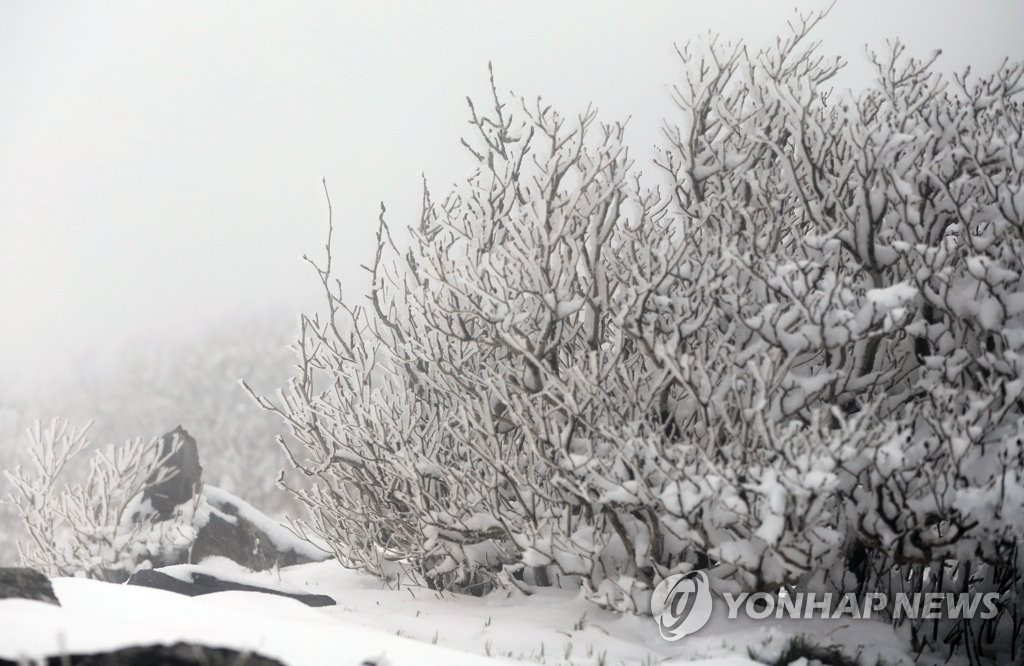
x=795, y=361
x=100, y=526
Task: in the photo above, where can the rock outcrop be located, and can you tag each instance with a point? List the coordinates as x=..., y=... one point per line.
x=202, y=583
x=179, y=654
x=22, y=583
x=241, y=533
x=225, y=525
x=186, y=480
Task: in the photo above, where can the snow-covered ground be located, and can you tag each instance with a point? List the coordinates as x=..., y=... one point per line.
x=415, y=626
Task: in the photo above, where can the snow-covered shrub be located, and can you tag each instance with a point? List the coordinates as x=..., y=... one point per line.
x=795, y=361
x=100, y=527
x=877, y=239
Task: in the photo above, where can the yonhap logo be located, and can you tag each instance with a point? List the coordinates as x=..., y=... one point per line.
x=682, y=604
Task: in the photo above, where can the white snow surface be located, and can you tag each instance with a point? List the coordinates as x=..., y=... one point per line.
x=413, y=626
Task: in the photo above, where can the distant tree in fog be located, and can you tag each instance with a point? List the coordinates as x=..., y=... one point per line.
x=150, y=388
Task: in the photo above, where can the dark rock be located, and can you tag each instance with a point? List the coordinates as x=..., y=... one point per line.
x=206, y=584
x=235, y=537
x=186, y=480
x=161, y=581
x=213, y=584
x=232, y=528
x=179, y=654
x=21, y=583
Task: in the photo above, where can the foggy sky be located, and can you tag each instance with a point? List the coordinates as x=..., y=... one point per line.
x=160, y=163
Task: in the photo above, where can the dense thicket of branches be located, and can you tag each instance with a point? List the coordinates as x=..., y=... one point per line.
x=796, y=361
